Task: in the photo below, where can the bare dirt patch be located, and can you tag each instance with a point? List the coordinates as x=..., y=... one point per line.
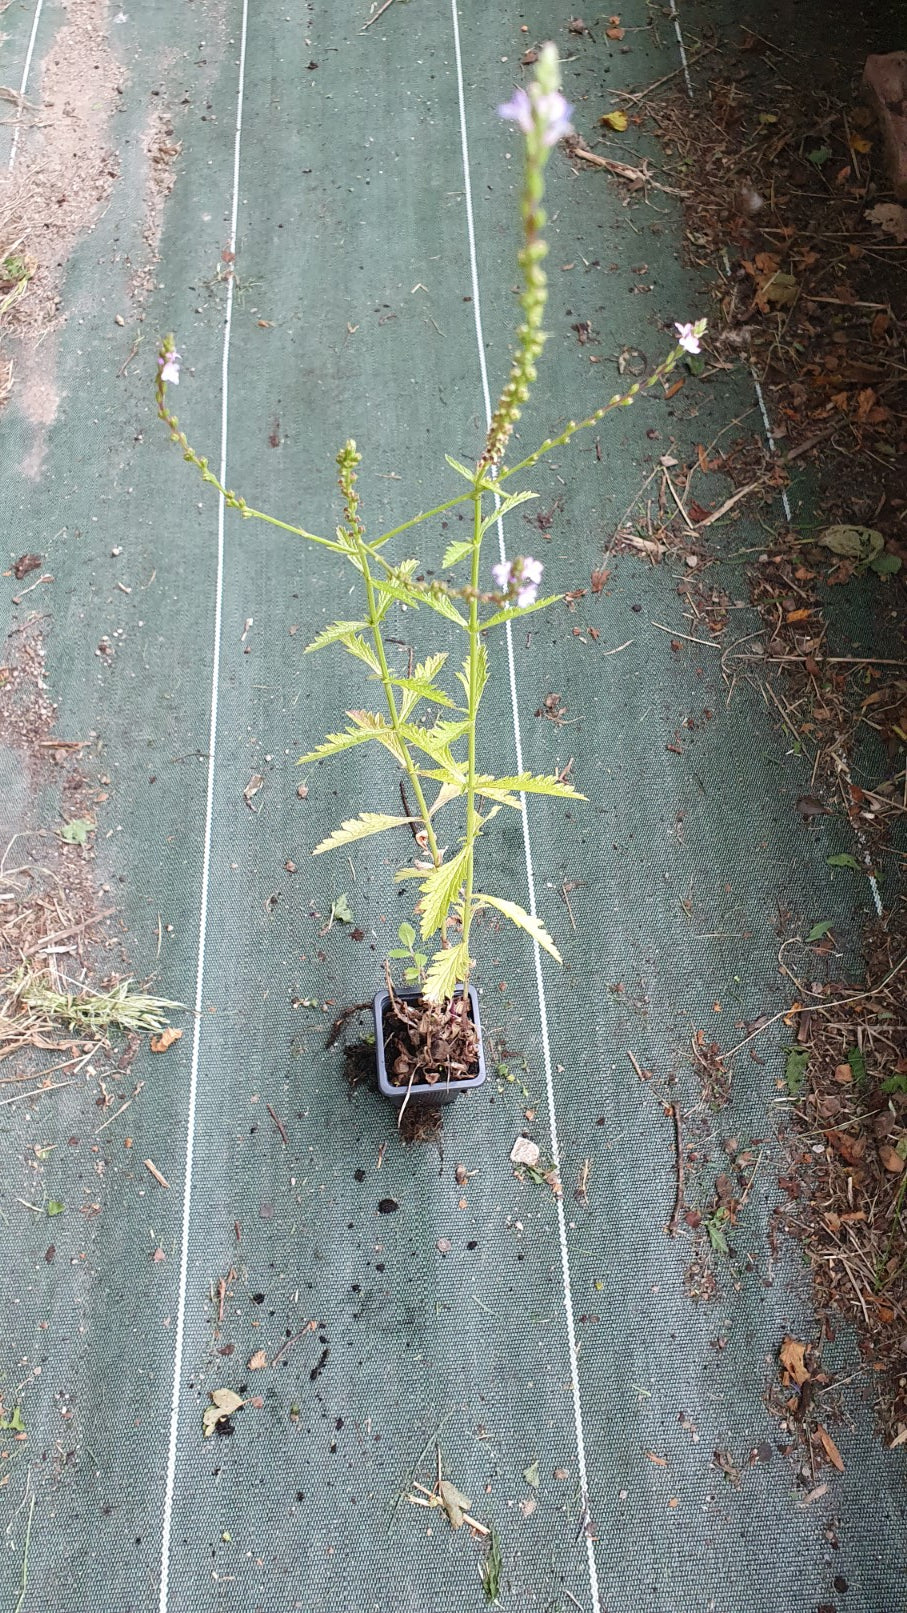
x=62, y=178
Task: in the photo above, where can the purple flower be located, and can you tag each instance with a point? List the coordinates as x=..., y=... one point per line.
x=555, y=112
x=687, y=338
x=521, y=576
x=518, y=110
x=170, y=367
x=531, y=110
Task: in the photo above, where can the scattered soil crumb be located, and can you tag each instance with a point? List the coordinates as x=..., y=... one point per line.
x=160, y=151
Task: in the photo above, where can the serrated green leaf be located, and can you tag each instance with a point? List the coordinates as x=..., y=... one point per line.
x=512, y=612
x=335, y=743
x=795, y=1069
x=818, y=931
x=481, y=673
x=526, y=921
x=341, y=912
x=407, y=934
x=531, y=1474
x=362, y=651
x=492, y=1568
x=436, y=600
x=367, y=823
x=894, y=1083
x=436, y=742
x=843, y=860
x=416, y=689
x=440, y=889
x=819, y=155
x=507, y=504
x=461, y=470
x=448, y=969
x=530, y=784
x=377, y=727
x=332, y=634
x=455, y=552
x=13, y=1424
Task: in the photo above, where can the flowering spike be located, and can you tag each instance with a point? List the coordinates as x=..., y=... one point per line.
x=519, y=578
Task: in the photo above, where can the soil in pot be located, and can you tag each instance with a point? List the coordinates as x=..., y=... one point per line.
x=429, y=1047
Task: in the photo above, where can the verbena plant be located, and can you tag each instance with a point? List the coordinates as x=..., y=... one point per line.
x=439, y=755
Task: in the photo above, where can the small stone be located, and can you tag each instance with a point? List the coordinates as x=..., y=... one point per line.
x=525, y=1152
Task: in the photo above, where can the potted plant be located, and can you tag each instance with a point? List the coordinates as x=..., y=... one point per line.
x=429, y=1033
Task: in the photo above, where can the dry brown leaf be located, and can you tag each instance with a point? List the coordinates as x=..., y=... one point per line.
x=792, y=1356
x=891, y=218
x=830, y=1448
x=891, y=1159
x=259, y=1359
x=165, y=1039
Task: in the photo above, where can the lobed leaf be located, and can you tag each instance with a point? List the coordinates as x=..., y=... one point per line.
x=512, y=612
x=377, y=727
x=367, y=823
x=455, y=552
x=506, y=505
x=526, y=921
x=440, y=889
x=335, y=633
x=448, y=969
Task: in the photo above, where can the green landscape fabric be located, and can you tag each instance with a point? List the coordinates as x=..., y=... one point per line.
x=423, y=1313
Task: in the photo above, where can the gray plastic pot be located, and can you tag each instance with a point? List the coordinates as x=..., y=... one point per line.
x=436, y=1092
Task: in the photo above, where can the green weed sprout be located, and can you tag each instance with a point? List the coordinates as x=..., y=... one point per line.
x=439, y=756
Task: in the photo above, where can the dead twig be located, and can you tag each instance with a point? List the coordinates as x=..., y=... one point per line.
x=674, y=1110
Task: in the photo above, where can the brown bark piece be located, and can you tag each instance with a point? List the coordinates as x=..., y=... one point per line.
x=885, y=79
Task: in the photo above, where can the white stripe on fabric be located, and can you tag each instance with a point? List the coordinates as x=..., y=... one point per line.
x=206, y=859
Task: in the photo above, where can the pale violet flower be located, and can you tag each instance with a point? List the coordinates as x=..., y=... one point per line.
x=530, y=109
x=518, y=110
x=555, y=113
x=688, y=337
x=170, y=368
x=522, y=575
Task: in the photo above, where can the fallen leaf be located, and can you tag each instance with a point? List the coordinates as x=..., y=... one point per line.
x=158, y=1257
x=258, y=1360
x=891, y=1159
x=77, y=831
x=454, y=1502
x=660, y=1461
x=792, y=1356
x=55, y=1206
x=223, y=1404
x=252, y=788
x=618, y=121
x=531, y=1474
x=820, y=930
x=851, y=1149
x=25, y=564
x=854, y=542
x=830, y=1448
x=843, y=1075
x=843, y=859
x=165, y=1039
x=891, y=218
x=615, y=33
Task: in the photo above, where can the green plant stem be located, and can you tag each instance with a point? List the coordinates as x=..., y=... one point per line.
x=231, y=499
x=473, y=679
x=462, y=498
x=374, y=622
x=619, y=401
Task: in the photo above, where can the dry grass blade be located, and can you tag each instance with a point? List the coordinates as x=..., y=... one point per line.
x=97, y=1012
